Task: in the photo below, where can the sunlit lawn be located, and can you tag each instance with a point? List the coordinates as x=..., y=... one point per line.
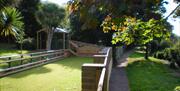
x=151, y=75
x=11, y=52
x=63, y=75
x=8, y=49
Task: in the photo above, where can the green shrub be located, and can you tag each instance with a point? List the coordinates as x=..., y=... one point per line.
x=28, y=44
x=164, y=44
x=167, y=54
x=170, y=54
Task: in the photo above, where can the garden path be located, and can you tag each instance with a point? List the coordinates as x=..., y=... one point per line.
x=119, y=80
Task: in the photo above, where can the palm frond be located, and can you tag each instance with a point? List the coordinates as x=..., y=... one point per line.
x=10, y=21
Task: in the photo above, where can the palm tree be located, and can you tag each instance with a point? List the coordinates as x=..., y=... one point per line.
x=10, y=22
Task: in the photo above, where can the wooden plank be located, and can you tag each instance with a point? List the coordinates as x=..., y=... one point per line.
x=19, y=59
x=93, y=65
x=101, y=80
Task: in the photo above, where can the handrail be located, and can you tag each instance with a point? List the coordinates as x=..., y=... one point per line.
x=101, y=80
x=103, y=73
x=100, y=72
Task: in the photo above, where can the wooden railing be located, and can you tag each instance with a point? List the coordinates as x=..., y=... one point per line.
x=95, y=77
x=17, y=63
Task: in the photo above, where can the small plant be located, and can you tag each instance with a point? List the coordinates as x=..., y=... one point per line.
x=177, y=88
x=159, y=55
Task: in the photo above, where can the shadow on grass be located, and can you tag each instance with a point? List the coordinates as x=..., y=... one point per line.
x=33, y=71
x=150, y=75
x=137, y=54
x=74, y=62
x=11, y=52
x=70, y=63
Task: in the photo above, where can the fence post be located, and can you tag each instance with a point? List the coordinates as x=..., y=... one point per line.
x=9, y=63
x=21, y=59
x=31, y=57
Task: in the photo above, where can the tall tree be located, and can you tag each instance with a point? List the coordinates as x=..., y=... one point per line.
x=50, y=16
x=28, y=9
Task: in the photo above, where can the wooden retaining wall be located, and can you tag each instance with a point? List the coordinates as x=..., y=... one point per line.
x=95, y=77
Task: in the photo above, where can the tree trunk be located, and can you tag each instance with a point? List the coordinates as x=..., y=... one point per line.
x=50, y=33
x=146, y=50
x=115, y=63
x=21, y=47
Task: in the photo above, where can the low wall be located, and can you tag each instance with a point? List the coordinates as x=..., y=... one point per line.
x=119, y=52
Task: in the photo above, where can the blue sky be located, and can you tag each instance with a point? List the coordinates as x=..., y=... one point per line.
x=169, y=8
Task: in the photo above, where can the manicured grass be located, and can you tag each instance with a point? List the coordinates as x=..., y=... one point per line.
x=9, y=49
x=137, y=54
x=11, y=52
x=63, y=75
x=151, y=75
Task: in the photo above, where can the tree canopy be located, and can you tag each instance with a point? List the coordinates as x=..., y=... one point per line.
x=89, y=14
x=50, y=16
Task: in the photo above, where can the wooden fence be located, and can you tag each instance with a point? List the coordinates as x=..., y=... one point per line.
x=17, y=63
x=95, y=77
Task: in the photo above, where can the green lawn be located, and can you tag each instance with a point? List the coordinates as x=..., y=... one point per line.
x=6, y=52
x=151, y=75
x=8, y=49
x=63, y=75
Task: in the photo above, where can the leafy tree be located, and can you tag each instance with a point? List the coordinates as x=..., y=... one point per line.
x=89, y=14
x=50, y=16
x=129, y=30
